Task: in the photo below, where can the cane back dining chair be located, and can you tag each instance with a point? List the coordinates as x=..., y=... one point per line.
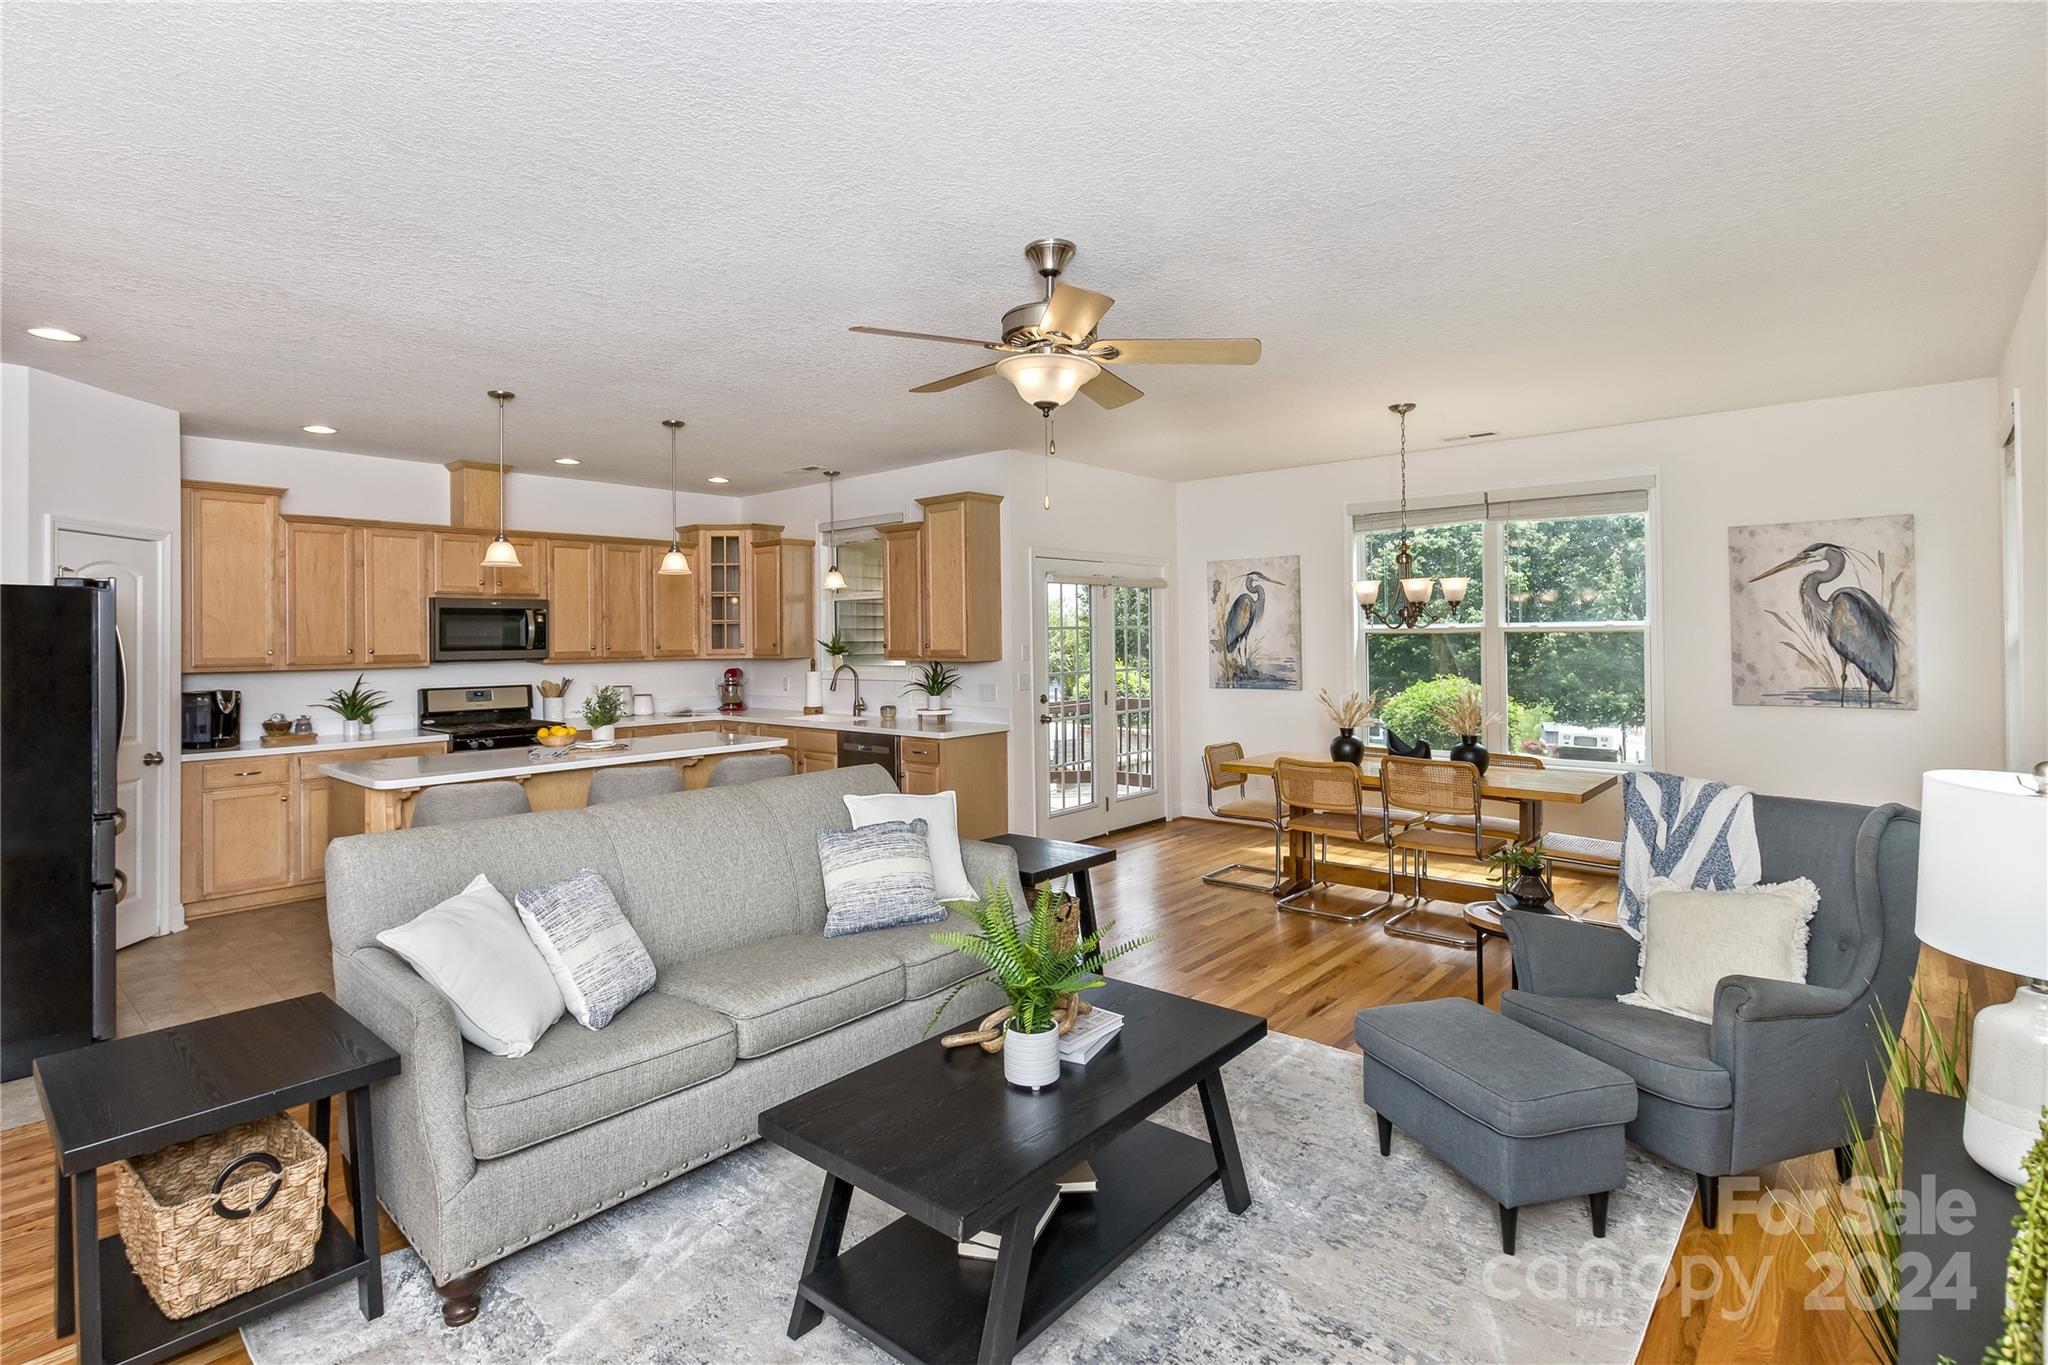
x=1243, y=810
x=1506, y=826
x=1326, y=801
x=1443, y=791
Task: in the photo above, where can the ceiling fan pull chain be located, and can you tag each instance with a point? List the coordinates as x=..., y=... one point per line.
x=1051, y=449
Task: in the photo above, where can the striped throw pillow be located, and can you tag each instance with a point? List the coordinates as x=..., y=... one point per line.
x=596, y=958
x=877, y=877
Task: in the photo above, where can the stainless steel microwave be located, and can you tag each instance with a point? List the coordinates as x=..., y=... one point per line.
x=487, y=628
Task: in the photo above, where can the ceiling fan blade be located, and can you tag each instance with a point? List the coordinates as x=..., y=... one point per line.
x=926, y=336
x=1187, y=351
x=1073, y=311
x=954, y=381
x=1112, y=390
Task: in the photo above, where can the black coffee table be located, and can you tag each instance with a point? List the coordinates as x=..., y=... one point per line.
x=938, y=1134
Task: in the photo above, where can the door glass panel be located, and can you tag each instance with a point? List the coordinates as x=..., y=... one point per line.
x=1069, y=697
x=1137, y=771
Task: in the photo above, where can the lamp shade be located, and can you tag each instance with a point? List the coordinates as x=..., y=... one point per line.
x=1367, y=591
x=501, y=554
x=1047, y=377
x=1983, y=893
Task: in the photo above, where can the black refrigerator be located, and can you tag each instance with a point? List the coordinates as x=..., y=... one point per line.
x=61, y=703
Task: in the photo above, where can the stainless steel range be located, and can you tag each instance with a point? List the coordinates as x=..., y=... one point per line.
x=479, y=717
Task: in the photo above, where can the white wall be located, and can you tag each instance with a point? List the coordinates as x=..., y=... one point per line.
x=2023, y=389
x=1929, y=451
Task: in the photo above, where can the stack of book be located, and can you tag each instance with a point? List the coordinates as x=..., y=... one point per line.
x=984, y=1246
x=1091, y=1033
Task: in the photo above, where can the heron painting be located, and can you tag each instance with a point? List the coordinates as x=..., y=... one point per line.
x=1822, y=614
x=1255, y=622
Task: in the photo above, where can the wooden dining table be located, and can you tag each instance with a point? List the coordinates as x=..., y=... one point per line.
x=1529, y=789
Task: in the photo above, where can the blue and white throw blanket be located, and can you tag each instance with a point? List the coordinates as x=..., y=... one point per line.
x=1687, y=830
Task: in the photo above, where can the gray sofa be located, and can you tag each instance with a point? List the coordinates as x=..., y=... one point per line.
x=1765, y=1080
x=480, y=1155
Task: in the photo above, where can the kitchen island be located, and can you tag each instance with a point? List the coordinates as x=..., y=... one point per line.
x=375, y=795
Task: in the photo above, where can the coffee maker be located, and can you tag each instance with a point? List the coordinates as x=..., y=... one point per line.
x=732, y=692
x=212, y=720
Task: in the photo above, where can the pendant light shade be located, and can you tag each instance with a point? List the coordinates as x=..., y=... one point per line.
x=835, y=581
x=675, y=563
x=501, y=553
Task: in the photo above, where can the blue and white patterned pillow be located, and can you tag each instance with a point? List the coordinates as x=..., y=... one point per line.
x=596, y=958
x=877, y=877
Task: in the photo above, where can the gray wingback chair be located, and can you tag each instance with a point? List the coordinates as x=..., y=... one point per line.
x=1765, y=1081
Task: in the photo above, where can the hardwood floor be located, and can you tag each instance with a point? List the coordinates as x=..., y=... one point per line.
x=1735, y=1293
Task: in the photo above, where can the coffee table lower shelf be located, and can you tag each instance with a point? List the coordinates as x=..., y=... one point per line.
x=908, y=1290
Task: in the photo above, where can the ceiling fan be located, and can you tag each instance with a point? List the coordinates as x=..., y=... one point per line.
x=1052, y=351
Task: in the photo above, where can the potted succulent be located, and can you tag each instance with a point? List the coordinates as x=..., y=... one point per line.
x=933, y=681
x=1519, y=870
x=1035, y=972
x=601, y=712
x=836, y=648
x=1465, y=716
x=1348, y=715
x=357, y=706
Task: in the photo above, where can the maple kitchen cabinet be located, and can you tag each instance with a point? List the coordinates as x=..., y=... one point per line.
x=758, y=591
x=624, y=590
x=942, y=581
x=460, y=571
x=782, y=606
x=234, y=575
x=396, y=569
x=975, y=768
x=678, y=607
x=575, y=600
x=321, y=606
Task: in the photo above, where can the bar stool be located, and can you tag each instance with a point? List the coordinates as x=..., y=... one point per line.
x=738, y=768
x=1326, y=801
x=1245, y=812
x=468, y=801
x=630, y=784
x=1439, y=789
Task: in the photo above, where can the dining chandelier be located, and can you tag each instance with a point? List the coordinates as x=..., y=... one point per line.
x=1416, y=606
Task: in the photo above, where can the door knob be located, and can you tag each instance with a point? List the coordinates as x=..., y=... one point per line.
x=1045, y=720
x=150, y=760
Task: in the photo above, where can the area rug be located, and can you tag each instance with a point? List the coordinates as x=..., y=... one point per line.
x=1343, y=1255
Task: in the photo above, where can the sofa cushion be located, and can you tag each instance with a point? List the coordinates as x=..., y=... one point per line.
x=928, y=967
x=783, y=990
x=1666, y=1055
x=574, y=1076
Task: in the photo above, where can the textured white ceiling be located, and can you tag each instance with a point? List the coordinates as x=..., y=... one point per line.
x=1524, y=218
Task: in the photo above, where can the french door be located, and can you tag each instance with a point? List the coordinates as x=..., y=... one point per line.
x=1098, y=701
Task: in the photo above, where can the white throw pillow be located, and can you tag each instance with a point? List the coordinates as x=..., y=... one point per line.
x=1691, y=939
x=941, y=816
x=473, y=949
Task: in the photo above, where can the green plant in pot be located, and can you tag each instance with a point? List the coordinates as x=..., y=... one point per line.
x=357, y=706
x=1034, y=971
x=933, y=681
x=836, y=649
x=601, y=712
x=1519, y=870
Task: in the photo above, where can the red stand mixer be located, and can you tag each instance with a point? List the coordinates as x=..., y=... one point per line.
x=732, y=692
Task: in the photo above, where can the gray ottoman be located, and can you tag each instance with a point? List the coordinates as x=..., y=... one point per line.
x=1521, y=1116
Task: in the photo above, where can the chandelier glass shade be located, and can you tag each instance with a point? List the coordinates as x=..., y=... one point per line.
x=1047, y=379
x=501, y=553
x=674, y=563
x=1414, y=607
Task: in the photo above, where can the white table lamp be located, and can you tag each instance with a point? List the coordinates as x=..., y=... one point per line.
x=1984, y=898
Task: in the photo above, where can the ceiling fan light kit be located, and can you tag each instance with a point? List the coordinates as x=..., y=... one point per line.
x=1047, y=379
x=501, y=553
x=675, y=563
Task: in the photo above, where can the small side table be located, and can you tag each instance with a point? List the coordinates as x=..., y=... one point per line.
x=135, y=1095
x=1483, y=918
x=1956, y=1239
x=1041, y=860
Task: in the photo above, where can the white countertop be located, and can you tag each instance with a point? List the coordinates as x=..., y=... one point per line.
x=250, y=748
x=906, y=723
x=439, y=770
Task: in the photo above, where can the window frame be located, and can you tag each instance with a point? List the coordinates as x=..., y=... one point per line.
x=831, y=535
x=1493, y=628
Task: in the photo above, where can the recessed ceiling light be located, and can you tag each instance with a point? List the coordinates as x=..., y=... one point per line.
x=54, y=334
x=718, y=478
x=567, y=459
x=316, y=429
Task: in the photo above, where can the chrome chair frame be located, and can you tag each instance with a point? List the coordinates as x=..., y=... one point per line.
x=1318, y=840
x=1431, y=821
x=1276, y=875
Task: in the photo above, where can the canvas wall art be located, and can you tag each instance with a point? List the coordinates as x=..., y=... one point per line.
x=1255, y=622
x=1821, y=613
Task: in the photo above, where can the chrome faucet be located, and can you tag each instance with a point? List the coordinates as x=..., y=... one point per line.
x=860, y=704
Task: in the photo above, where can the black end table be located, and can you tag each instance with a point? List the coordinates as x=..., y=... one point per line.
x=1956, y=1239
x=136, y=1095
x=938, y=1133
x=1042, y=860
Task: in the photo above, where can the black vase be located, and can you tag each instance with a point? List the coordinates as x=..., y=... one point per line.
x=1401, y=748
x=1531, y=892
x=1468, y=749
x=1347, y=747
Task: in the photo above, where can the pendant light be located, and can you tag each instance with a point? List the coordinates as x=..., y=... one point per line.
x=674, y=562
x=835, y=581
x=501, y=554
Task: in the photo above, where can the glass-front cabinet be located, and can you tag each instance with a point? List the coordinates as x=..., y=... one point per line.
x=725, y=594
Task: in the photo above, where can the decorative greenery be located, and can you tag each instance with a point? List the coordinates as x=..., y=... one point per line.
x=2026, y=1271
x=1860, y=1217
x=1351, y=712
x=604, y=707
x=1516, y=861
x=1412, y=713
x=356, y=703
x=837, y=646
x=933, y=680
x=1031, y=970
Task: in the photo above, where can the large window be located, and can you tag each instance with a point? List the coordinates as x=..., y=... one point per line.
x=1554, y=628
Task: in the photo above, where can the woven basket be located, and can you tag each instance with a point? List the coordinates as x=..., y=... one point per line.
x=222, y=1214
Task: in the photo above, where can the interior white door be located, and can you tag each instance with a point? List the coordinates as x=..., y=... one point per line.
x=1098, y=763
x=146, y=761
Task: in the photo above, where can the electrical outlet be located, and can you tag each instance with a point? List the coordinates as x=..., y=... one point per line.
x=785, y=682
x=990, y=693
x=1023, y=682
